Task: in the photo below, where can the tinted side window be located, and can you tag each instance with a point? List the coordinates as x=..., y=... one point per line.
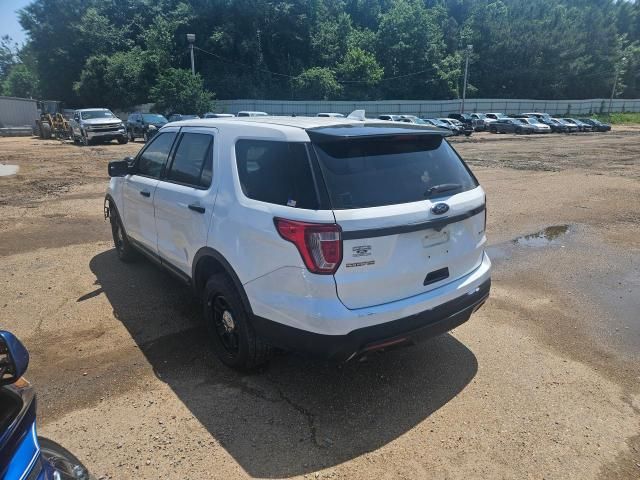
x=276, y=172
x=193, y=161
x=152, y=159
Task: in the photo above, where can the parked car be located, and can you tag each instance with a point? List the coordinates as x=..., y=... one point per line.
x=571, y=127
x=25, y=455
x=477, y=124
x=496, y=116
x=458, y=127
x=334, y=115
x=486, y=120
x=511, y=125
x=89, y=125
x=538, y=127
x=597, y=124
x=556, y=126
x=392, y=118
x=437, y=123
x=413, y=119
x=144, y=125
x=538, y=115
x=582, y=127
x=218, y=115
x=376, y=235
x=247, y=113
x=176, y=117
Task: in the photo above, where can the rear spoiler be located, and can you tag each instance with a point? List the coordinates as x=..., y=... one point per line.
x=372, y=129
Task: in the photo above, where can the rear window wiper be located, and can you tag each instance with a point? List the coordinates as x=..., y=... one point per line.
x=443, y=187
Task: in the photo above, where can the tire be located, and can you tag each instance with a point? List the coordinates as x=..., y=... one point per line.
x=233, y=338
x=493, y=130
x=84, y=140
x=132, y=138
x=46, y=131
x=65, y=462
x=123, y=140
x=125, y=250
x=518, y=131
x=145, y=136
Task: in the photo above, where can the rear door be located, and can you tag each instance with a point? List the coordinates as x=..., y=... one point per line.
x=139, y=190
x=412, y=215
x=185, y=197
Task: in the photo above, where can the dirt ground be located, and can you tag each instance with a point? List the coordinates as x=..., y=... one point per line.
x=541, y=383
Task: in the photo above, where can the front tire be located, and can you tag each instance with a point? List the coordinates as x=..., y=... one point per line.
x=62, y=460
x=123, y=140
x=125, y=250
x=233, y=338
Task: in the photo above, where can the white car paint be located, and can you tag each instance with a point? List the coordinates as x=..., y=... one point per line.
x=276, y=281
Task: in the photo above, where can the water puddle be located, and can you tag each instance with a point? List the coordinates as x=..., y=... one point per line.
x=548, y=236
x=554, y=235
x=6, y=170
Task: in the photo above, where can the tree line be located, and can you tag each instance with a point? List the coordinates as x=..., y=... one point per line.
x=121, y=53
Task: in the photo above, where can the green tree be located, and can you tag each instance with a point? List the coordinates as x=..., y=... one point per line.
x=177, y=90
x=359, y=71
x=317, y=83
x=20, y=82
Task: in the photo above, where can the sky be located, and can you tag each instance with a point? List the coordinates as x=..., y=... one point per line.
x=9, y=24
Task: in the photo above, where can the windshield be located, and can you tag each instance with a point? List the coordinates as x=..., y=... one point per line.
x=89, y=114
x=153, y=118
x=389, y=170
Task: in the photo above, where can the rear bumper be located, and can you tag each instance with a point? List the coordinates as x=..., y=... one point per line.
x=420, y=326
x=310, y=318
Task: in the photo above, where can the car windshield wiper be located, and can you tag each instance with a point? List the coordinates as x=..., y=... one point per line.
x=443, y=187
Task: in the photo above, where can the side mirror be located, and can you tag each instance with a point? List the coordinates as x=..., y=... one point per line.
x=14, y=358
x=120, y=168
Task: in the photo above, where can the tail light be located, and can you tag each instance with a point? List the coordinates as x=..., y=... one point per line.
x=319, y=244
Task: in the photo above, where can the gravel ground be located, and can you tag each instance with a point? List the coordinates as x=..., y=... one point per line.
x=542, y=382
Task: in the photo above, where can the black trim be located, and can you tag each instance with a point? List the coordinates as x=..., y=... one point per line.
x=157, y=259
x=412, y=227
x=420, y=326
x=210, y=252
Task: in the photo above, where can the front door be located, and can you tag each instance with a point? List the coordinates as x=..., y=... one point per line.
x=185, y=197
x=140, y=187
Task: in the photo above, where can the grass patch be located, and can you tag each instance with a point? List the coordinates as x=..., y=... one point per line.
x=617, y=118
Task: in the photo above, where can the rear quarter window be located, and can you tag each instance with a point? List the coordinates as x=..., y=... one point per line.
x=276, y=172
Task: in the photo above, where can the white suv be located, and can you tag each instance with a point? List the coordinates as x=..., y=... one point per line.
x=323, y=235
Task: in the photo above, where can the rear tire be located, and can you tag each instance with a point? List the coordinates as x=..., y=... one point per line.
x=233, y=338
x=62, y=460
x=125, y=250
x=45, y=128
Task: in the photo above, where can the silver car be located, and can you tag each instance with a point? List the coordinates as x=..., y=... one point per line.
x=538, y=127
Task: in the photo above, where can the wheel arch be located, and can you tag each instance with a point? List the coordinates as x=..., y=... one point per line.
x=208, y=261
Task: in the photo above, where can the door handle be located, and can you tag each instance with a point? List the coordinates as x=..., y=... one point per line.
x=145, y=193
x=196, y=208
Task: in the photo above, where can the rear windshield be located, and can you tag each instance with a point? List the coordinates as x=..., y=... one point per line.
x=372, y=172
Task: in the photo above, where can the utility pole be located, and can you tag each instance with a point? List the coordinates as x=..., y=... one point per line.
x=191, y=38
x=466, y=73
x=615, y=83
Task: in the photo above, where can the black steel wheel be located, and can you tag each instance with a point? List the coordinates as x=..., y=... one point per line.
x=233, y=338
x=62, y=460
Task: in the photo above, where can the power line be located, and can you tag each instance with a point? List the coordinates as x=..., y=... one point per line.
x=264, y=70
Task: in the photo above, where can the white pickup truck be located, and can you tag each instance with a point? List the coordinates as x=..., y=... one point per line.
x=89, y=125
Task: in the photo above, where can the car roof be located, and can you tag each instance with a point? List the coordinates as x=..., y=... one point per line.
x=294, y=128
x=92, y=109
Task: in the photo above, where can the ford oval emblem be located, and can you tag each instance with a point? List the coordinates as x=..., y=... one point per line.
x=440, y=208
